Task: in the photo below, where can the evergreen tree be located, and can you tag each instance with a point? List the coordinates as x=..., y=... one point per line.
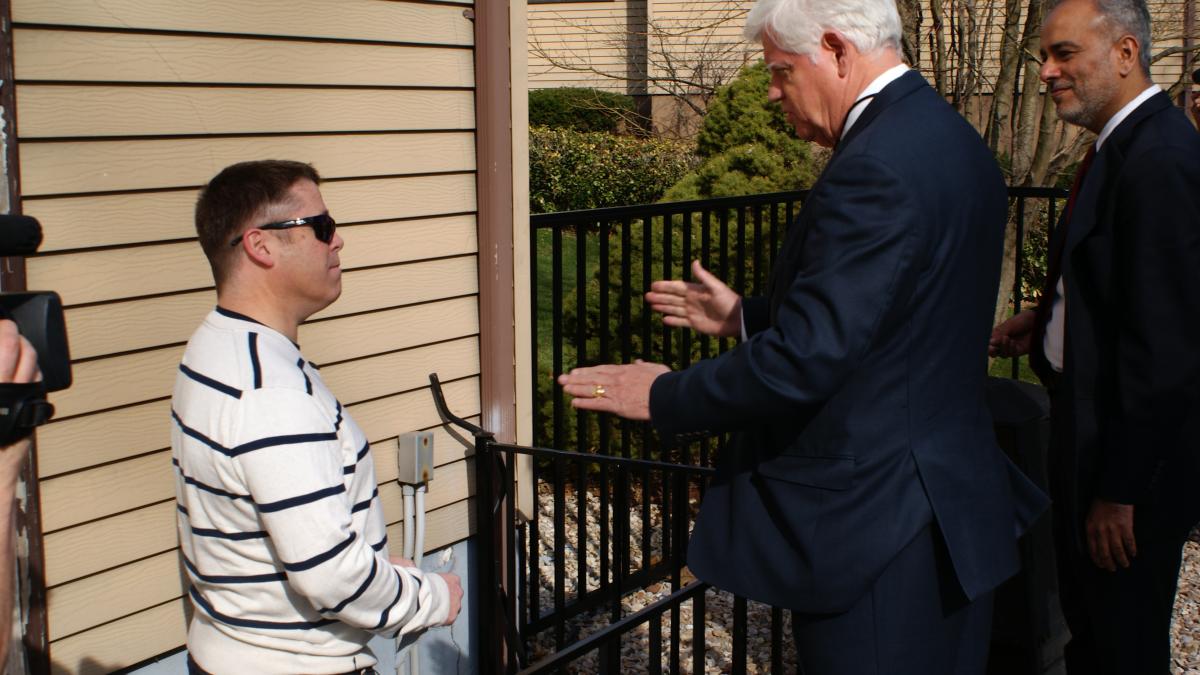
x=747, y=145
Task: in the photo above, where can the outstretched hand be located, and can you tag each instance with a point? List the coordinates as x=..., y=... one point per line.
x=706, y=305
x=621, y=390
x=1013, y=337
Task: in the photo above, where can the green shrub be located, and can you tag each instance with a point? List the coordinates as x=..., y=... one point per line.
x=579, y=109
x=748, y=145
x=570, y=170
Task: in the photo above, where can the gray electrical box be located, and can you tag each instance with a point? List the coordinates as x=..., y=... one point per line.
x=415, y=457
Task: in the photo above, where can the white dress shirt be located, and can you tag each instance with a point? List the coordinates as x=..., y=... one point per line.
x=865, y=96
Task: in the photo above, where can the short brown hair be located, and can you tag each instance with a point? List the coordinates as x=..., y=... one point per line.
x=239, y=194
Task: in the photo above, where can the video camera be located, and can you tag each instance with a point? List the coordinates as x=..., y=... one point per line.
x=39, y=317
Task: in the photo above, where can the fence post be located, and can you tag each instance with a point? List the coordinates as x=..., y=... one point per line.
x=491, y=657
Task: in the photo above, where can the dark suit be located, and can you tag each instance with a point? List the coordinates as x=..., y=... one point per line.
x=1126, y=408
x=858, y=398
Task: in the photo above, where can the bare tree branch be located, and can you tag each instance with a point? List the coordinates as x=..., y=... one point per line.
x=684, y=57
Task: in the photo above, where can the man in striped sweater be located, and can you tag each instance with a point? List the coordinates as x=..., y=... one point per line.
x=280, y=524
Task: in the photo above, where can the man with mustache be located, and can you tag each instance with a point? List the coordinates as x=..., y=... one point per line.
x=280, y=524
x=1115, y=338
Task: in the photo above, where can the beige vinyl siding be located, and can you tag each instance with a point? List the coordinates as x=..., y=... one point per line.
x=1168, y=31
x=699, y=40
x=592, y=37
x=611, y=39
x=124, y=111
x=710, y=31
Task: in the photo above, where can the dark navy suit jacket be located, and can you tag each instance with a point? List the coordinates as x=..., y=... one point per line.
x=1130, y=405
x=857, y=400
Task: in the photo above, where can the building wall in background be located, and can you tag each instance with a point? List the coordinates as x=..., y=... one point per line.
x=125, y=108
x=677, y=36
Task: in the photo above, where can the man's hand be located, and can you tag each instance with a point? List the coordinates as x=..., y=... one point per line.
x=1013, y=337
x=1110, y=534
x=18, y=360
x=18, y=364
x=455, y=586
x=709, y=306
x=622, y=390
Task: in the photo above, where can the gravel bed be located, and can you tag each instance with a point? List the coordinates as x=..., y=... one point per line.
x=635, y=645
x=1185, y=629
x=718, y=618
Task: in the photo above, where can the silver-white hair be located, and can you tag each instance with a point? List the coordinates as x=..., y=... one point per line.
x=796, y=25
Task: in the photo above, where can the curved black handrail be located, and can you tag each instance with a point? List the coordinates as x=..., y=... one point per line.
x=439, y=401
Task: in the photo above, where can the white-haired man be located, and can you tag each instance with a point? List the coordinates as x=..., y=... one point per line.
x=280, y=525
x=864, y=488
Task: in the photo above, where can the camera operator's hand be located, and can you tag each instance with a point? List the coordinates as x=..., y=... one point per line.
x=18, y=360
x=18, y=364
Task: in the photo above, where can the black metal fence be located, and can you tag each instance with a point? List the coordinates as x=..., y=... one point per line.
x=591, y=270
x=612, y=509
x=592, y=267
x=539, y=620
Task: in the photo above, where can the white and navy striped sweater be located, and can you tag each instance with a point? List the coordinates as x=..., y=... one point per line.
x=280, y=524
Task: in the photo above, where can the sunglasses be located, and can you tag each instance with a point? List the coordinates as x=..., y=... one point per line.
x=323, y=227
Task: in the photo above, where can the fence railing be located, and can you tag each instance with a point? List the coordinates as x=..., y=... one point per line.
x=537, y=618
x=612, y=508
x=592, y=267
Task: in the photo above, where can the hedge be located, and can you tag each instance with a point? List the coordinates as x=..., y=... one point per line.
x=579, y=109
x=570, y=170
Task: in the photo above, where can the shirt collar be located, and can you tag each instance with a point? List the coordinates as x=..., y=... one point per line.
x=876, y=86
x=1116, y=119
x=230, y=314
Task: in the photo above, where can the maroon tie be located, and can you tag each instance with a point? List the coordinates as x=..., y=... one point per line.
x=1037, y=356
x=1083, y=169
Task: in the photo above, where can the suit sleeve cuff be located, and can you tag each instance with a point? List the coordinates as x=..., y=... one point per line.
x=433, y=600
x=755, y=316
x=1126, y=478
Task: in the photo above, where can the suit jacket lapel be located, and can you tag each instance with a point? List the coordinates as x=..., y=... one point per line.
x=894, y=91
x=1110, y=156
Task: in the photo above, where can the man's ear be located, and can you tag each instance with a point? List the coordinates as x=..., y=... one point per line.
x=260, y=249
x=838, y=47
x=1128, y=55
